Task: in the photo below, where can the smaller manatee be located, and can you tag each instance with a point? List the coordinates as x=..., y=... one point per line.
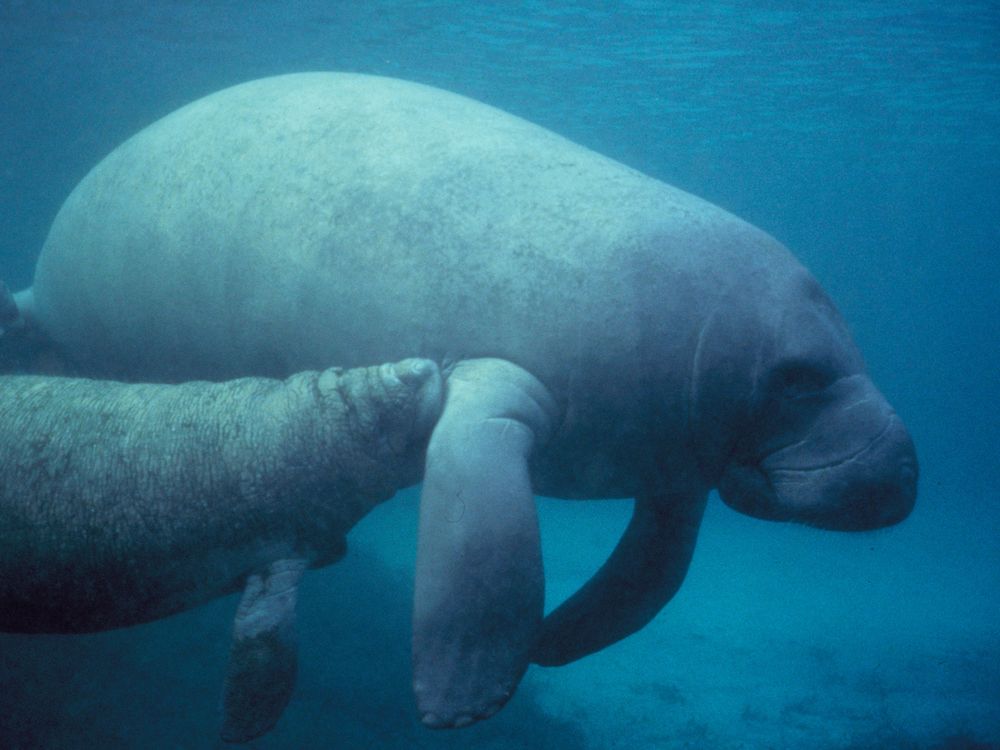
x=124, y=503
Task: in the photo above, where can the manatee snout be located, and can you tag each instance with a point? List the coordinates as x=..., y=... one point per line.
x=424, y=377
x=885, y=490
x=418, y=387
x=848, y=465
x=871, y=490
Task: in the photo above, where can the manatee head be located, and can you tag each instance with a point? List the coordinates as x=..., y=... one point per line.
x=807, y=437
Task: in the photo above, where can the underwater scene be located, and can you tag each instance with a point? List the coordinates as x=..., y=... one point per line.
x=498, y=198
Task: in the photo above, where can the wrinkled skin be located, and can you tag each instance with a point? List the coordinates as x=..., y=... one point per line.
x=605, y=334
x=124, y=503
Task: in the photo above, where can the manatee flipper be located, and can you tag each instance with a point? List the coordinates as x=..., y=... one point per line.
x=479, y=592
x=643, y=573
x=263, y=659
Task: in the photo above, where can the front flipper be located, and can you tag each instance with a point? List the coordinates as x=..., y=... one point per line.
x=479, y=594
x=263, y=659
x=642, y=574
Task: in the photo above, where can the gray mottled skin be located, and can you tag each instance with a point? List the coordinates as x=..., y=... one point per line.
x=615, y=337
x=121, y=503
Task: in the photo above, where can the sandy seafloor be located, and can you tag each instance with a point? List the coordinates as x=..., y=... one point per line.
x=865, y=136
x=774, y=642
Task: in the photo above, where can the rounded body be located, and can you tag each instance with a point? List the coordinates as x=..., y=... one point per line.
x=317, y=219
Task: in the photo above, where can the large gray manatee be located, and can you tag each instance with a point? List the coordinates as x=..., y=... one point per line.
x=121, y=504
x=604, y=334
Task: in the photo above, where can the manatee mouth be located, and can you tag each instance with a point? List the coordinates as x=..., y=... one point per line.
x=869, y=488
x=771, y=464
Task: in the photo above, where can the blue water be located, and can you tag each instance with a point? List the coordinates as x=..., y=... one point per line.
x=866, y=136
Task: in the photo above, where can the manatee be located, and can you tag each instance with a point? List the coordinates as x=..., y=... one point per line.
x=604, y=335
x=124, y=503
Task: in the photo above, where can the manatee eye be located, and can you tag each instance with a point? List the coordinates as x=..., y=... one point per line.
x=798, y=380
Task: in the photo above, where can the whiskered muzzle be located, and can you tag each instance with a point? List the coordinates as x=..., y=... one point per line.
x=870, y=488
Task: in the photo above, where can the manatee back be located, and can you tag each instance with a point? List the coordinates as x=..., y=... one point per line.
x=310, y=219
